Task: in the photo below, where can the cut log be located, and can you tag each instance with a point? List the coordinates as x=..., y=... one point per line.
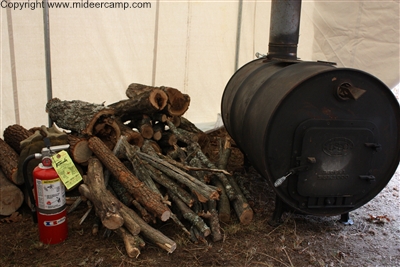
x=189, y=215
x=130, y=224
x=133, y=244
x=147, y=101
x=84, y=118
x=34, y=144
x=153, y=235
x=241, y=206
x=158, y=130
x=106, y=205
x=133, y=137
x=196, y=150
x=167, y=139
x=163, y=180
x=203, y=191
x=79, y=149
x=11, y=197
x=224, y=207
x=14, y=134
x=159, y=117
x=178, y=103
x=145, y=127
x=214, y=221
x=9, y=163
x=138, y=189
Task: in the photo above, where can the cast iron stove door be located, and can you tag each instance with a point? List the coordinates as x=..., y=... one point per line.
x=340, y=157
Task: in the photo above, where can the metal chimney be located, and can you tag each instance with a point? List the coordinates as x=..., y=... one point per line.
x=284, y=29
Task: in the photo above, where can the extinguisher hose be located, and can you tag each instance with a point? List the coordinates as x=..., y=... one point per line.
x=28, y=185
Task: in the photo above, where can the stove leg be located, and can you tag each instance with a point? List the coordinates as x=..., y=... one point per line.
x=276, y=219
x=345, y=219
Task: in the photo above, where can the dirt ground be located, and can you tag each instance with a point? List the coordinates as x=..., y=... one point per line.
x=373, y=240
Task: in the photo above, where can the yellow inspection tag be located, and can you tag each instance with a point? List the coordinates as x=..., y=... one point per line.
x=66, y=169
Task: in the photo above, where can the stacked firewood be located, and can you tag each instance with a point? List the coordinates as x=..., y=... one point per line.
x=141, y=162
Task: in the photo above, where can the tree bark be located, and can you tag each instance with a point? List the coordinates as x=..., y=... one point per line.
x=9, y=163
x=80, y=116
x=158, y=130
x=11, y=197
x=145, y=127
x=189, y=215
x=138, y=189
x=153, y=235
x=14, y=134
x=195, y=185
x=133, y=244
x=133, y=137
x=195, y=148
x=145, y=100
x=106, y=205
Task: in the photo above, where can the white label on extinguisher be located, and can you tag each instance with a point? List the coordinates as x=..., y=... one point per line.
x=54, y=222
x=51, y=194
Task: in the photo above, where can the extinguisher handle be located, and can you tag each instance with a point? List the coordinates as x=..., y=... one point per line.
x=28, y=185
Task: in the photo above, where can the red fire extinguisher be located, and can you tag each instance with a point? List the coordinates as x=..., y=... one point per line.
x=49, y=204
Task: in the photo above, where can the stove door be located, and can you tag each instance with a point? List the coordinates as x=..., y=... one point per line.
x=339, y=158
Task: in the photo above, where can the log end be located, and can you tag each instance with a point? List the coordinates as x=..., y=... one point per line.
x=158, y=99
x=11, y=199
x=246, y=217
x=112, y=221
x=165, y=215
x=178, y=103
x=169, y=247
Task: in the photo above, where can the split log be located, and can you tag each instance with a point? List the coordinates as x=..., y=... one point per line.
x=138, y=189
x=14, y=134
x=146, y=100
x=84, y=118
x=9, y=163
x=106, y=205
x=79, y=149
x=11, y=197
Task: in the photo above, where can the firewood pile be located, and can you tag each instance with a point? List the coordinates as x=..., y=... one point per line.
x=141, y=162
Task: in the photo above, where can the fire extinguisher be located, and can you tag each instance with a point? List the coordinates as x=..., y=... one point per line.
x=49, y=206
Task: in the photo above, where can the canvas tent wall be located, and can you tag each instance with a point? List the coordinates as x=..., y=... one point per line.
x=194, y=46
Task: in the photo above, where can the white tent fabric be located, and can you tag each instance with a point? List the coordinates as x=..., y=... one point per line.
x=194, y=46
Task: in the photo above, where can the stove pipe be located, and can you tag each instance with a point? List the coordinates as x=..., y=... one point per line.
x=284, y=29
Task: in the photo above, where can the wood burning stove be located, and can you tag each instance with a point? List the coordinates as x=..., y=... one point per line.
x=327, y=139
